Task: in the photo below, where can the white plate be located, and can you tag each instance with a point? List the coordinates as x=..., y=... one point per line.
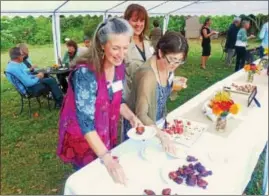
x=63, y=68
x=175, y=164
x=149, y=133
x=191, y=132
x=180, y=153
x=153, y=153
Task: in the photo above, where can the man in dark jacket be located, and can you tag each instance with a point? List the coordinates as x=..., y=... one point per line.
x=231, y=39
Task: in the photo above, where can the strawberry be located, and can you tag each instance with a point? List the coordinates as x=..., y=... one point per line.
x=140, y=130
x=166, y=191
x=172, y=175
x=149, y=192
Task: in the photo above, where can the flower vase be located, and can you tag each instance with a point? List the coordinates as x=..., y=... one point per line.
x=221, y=123
x=250, y=77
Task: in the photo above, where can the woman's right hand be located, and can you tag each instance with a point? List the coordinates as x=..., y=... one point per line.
x=114, y=169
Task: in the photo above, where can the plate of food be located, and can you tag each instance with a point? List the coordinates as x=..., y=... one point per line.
x=184, y=131
x=142, y=133
x=190, y=172
x=63, y=68
x=243, y=88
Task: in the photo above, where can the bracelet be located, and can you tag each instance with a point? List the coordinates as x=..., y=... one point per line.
x=102, y=156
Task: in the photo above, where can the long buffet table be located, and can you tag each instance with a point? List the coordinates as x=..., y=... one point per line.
x=235, y=152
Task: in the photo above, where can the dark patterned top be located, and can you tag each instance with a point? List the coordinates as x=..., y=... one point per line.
x=162, y=94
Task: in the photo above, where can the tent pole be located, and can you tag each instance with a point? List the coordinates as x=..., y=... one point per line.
x=56, y=36
x=165, y=23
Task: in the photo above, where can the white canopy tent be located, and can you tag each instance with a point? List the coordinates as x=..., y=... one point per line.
x=154, y=8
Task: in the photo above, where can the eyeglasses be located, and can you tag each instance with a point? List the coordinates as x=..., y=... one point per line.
x=174, y=63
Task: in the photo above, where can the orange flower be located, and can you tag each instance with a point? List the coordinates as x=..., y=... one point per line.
x=247, y=67
x=266, y=51
x=234, y=109
x=216, y=110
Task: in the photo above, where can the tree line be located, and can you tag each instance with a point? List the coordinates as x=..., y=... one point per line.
x=38, y=30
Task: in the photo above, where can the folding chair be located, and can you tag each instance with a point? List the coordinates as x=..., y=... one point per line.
x=26, y=94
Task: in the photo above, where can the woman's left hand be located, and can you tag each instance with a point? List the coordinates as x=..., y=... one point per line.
x=135, y=122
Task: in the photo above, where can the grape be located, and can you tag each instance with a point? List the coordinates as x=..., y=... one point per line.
x=178, y=180
x=191, y=158
x=191, y=180
x=202, y=183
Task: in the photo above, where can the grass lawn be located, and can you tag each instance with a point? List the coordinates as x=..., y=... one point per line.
x=28, y=145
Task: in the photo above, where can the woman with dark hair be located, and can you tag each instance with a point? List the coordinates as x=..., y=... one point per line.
x=139, y=49
x=69, y=55
x=206, y=33
x=153, y=82
x=94, y=102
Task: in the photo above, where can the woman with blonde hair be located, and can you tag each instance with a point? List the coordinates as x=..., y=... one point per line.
x=93, y=103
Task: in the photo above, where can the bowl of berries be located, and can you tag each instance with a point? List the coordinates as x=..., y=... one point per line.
x=142, y=133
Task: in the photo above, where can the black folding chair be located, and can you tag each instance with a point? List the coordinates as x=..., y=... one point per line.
x=26, y=94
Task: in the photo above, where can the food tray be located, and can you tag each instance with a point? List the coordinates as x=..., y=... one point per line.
x=242, y=88
x=192, y=130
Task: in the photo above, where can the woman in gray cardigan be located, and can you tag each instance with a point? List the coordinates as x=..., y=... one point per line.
x=153, y=82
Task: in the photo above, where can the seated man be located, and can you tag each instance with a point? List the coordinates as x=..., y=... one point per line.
x=35, y=83
x=26, y=59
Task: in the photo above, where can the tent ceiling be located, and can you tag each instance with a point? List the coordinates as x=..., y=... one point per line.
x=173, y=7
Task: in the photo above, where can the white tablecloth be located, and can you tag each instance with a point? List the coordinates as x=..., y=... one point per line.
x=239, y=151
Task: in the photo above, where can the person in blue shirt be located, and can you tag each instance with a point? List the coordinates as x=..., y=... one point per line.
x=34, y=83
x=264, y=37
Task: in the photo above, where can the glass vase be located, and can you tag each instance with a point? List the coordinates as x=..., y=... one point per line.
x=221, y=123
x=250, y=77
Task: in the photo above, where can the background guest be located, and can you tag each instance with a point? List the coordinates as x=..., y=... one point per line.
x=34, y=83
x=69, y=55
x=241, y=44
x=231, y=39
x=26, y=59
x=86, y=41
x=206, y=46
x=139, y=49
x=264, y=37
x=156, y=33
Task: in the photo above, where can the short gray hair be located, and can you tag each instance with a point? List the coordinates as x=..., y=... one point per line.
x=111, y=26
x=23, y=47
x=237, y=19
x=14, y=53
